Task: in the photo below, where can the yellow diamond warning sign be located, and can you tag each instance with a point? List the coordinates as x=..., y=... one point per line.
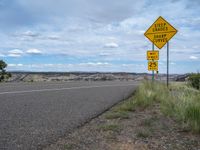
x=152, y=55
x=160, y=32
x=153, y=65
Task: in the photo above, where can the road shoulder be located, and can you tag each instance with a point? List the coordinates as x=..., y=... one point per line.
x=136, y=129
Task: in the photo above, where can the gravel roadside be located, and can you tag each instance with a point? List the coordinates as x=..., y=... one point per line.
x=139, y=129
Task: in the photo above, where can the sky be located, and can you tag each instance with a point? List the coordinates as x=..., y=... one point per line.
x=96, y=35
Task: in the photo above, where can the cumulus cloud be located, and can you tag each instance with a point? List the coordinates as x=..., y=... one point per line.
x=194, y=57
x=34, y=52
x=111, y=45
x=15, y=53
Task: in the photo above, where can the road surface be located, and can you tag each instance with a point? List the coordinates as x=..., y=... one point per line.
x=33, y=115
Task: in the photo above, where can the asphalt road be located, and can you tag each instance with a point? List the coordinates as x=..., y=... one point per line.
x=33, y=115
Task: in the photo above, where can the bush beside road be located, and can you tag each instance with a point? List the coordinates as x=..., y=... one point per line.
x=194, y=80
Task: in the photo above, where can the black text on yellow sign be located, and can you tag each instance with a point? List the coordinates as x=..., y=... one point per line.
x=152, y=55
x=160, y=32
x=153, y=65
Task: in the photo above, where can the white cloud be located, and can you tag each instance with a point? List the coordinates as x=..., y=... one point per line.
x=193, y=57
x=15, y=53
x=111, y=45
x=15, y=65
x=34, y=51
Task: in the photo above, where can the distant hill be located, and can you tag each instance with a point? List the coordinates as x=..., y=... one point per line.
x=87, y=76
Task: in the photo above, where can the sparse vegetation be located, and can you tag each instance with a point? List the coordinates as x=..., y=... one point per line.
x=179, y=101
x=143, y=133
x=109, y=127
x=117, y=114
x=125, y=106
x=68, y=146
x=121, y=111
x=149, y=122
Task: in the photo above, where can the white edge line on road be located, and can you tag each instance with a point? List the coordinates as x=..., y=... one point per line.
x=61, y=89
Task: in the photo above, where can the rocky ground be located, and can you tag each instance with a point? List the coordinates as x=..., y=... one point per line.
x=140, y=129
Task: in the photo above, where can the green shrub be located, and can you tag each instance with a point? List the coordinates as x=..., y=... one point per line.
x=194, y=80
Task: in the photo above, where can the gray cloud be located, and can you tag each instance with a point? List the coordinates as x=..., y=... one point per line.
x=30, y=34
x=27, y=13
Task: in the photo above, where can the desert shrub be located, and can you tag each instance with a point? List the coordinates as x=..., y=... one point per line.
x=3, y=73
x=194, y=80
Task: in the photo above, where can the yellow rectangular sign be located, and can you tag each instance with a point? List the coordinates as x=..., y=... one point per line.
x=153, y=65
x=160, y=32
x=152, y=55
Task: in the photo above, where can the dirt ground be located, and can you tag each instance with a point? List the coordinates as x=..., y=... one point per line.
x=141, y=129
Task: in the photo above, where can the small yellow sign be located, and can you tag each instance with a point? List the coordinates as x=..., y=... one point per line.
x=160, y=32
x=152, y=55
x=153, y=65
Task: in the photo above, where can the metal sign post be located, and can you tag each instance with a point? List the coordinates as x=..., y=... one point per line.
x=167, y=64
x=153, y=60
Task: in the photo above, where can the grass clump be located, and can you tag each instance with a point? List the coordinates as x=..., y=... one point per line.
x=150, y=92
x=118, y=114
x=122, y=110
x=109, y=127
x=192, y=116
x=68, y=146
x=184, y=105
x=143, y=133
x=148, y=122
x=126, y=106
x=179, y=101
